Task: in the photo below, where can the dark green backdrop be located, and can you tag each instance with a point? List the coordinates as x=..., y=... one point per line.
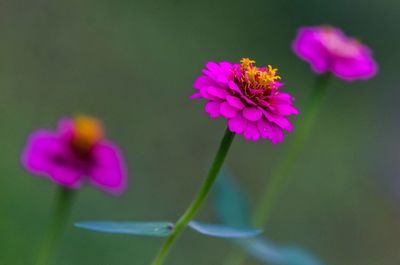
x=132, y=64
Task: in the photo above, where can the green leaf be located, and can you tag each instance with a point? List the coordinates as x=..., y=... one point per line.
x=223, y=231
x=231, y=204
x=156, y=229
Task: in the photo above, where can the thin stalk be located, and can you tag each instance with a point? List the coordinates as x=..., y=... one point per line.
x=56, y=227
x=199, y=199
x=282, y=173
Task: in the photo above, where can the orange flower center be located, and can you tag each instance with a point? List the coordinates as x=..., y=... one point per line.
x=87, y=132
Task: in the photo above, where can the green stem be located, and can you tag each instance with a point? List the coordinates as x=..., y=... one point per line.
x=282, y=173
x=199, y=199
x=61, y=211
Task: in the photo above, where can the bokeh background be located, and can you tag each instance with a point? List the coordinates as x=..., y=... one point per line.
x=132, y=64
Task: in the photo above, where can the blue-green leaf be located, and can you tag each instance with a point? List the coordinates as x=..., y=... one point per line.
x=156, y=229
x=268, y=253
x=232, y=209
x=231, y=204
x=216, y=230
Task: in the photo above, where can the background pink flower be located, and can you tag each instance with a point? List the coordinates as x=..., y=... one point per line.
x=75, y=154
x=328, y=49
x=248, y=97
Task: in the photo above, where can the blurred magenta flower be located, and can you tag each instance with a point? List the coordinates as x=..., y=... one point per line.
x=75, y=154
x=248, y=97
x=328, y=49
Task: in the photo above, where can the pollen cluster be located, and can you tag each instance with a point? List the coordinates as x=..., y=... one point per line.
x=258, y=79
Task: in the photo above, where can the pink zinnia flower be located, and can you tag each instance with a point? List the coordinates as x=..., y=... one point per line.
x=248, y=97
x=328, y=49
x=75, y=154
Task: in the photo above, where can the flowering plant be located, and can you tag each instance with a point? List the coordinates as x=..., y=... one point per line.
x=248, y=97
x=252, y=101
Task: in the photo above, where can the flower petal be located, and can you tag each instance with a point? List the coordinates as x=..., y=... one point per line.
x=232, y=85
x=252, y=114
x=235, y=102
x=204, y=94
x=236, y=89
x=281, y=121
x=68, y=176
x=196, y=95
x=203, y=81
x=108, y=171
x=217, y=92
x=47, y=154
x=277, y=134
x=361, y=67
x=285, y=109
x=237, y=124
x=227, y=110
x=213, y=67
x=308, y=46
x=226, y=66
x=251, y=132
x=264, y=127
x=212, y=108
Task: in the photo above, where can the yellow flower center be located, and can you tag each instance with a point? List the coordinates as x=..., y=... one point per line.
x=87, y=132
x=256, y=78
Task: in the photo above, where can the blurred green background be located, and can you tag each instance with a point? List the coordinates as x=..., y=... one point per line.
x=132, y=64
